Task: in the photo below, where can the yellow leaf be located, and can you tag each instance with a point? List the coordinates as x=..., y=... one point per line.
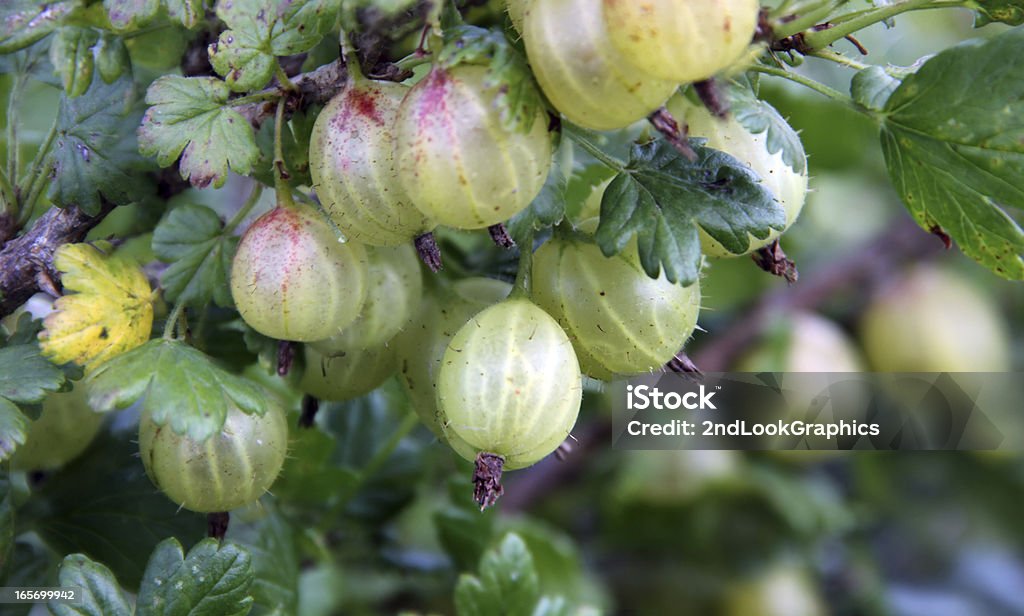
x=110, y=312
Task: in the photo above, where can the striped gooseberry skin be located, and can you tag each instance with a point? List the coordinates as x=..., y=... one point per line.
x=620, y=320
x=346, y=375
x=231, y=469
x=355, y=174
x=421, y=346
x=788, y=185
x=583, y=75
x=509, y=385
x=457, y=162
x=292, y=279
x=393, y=297
x=681, y=40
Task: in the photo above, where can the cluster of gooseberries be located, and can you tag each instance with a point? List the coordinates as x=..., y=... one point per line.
x=494, y=369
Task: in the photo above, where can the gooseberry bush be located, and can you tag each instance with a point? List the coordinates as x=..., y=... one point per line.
x=286, y=282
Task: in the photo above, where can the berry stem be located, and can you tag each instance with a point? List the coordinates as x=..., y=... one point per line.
x=281, y=175
x=808, y=17
x=250, y=202
x=35, y=179
x=172, y=320
x=282, y=78
x=846, y=25
x=807, y=82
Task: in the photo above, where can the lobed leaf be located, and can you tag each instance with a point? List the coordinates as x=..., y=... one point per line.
x=872, y=87
x=275, y=560
x=110, y=311
x=191, y=239
x=189, y=118
x=101, y=594
x=953, y=139
x=662, y=198
x=23, y=22
x=177, y=384
x=213, y=579
x=507, y=583
x=260, y=30
x=126, y=15
x=13, y=428
x=72, y=57
x=95, y=153
x=758, y=116
x=26, y=376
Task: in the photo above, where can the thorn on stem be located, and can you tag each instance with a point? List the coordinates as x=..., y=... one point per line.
x=499, y=233
x=663, y=121
x=217, y=524
x=430, y=254
x=487, y=487
x=773, y=260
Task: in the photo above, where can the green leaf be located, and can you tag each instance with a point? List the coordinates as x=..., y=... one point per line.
x=310, y=478
x=112, y=58
x=189, y=118
x=71, y=55
x=95, y=154
x=515, y=92
x=105, y=506
x=13, y=428
x=472, y=598
x=507, y=583
x=213, y=580
x=872, y=87
x=294, y=147
x=101, y=594
x=188, y=12
x=662, y=197
x=259, y=30
x=953, y=138
x=547, y=208
x=463, y=530
x=758, y=116
x=178, y=385
x=362, y=428
x=271, y=544
x=1005, y=11
x=26, y=376
x=126, y=15
x=191, y=238
x=23, y=22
